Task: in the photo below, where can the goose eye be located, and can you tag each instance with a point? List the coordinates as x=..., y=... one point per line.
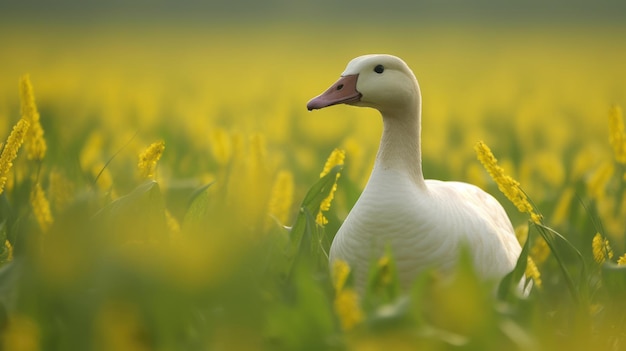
x=379, y=69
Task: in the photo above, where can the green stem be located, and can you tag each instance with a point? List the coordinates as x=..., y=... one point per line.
x=545, y=231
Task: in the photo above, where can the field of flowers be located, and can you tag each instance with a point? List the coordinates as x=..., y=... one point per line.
x=164, y=187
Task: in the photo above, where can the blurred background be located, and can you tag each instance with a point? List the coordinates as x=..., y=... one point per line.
x=480, y=10
x=224, y=84
x=546, y=72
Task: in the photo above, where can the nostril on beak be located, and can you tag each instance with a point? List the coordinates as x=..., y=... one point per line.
x=340, y=86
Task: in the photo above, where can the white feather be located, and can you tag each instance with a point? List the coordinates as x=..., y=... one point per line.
x=424, y=222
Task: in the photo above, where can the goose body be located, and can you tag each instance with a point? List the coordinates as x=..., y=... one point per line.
x=424, y=222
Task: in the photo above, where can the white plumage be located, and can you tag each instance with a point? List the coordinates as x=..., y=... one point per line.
x=424, y=222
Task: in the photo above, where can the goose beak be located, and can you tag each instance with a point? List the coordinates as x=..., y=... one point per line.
x=342, y=92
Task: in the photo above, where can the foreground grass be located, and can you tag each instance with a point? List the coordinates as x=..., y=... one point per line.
x=151, y=212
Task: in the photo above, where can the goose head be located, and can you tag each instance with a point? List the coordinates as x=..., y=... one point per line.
x=382, y=82
x=387, y=84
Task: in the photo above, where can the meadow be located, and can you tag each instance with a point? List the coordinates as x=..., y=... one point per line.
x=171, y=198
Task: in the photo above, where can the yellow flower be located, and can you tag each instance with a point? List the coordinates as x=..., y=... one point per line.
x=540, y=250
x=35, y=142
x=582, y=163
x=533, y=272
x=172, y=225
x=90, y=153
x=617, y=134
x=507, y=185
x=563, y=206
x=384, y=266
x=220, y=145
x=149, y=158
x=281, y=197
x=11, y=147
x=348, y=308
x=622, y=260
x=601, y=249
x=336, y=158
x=535, y=218
x=9, y=248
x=341, y=271
x=105, y=179
x=41, y=207
x=597, y=182
x=346, y=304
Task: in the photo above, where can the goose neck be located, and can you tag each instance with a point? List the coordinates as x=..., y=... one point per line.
x=400, y=144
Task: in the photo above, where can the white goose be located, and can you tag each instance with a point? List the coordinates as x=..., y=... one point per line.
x=425, y=222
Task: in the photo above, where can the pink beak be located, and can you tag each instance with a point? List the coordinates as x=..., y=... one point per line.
x=342, y=92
